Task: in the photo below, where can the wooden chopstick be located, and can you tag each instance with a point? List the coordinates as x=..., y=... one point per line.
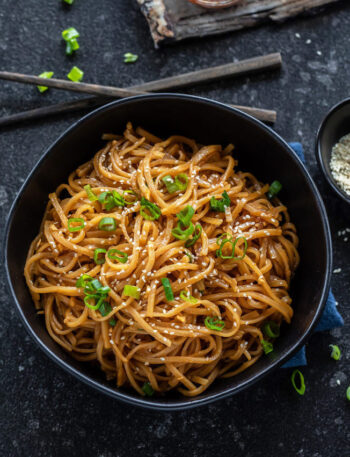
x=92, y=102
x=244, y=67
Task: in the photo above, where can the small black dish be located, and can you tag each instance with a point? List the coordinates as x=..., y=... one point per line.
x=258, y=149
x=334, y=126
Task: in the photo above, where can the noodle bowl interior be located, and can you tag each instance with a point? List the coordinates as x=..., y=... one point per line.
x=164, y=264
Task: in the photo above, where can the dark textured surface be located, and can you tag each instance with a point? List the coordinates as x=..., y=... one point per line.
x=46, y=412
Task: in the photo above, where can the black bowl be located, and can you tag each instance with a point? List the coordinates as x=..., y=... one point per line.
x=258, y=150
x=335, y=125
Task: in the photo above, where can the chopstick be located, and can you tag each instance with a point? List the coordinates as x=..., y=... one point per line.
x=240, y=68
x=92, y=102
x=68, y=107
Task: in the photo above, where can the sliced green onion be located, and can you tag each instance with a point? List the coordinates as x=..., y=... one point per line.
x=336, y=354
x=99, y=260
x=107, y=224
x=92, y=197
x=220, y=205
x=129, y=57
x=112, y=322
x=71, y=46
x=170, y=184
x=131, y=291
x=125, y=196
x=45, y=74
x=167, y=289
x=275, y=187
x=299, y=374
x=180, y=234
x=74, y=220
x=267, y=346
x=118, y=199
x=83, y=280
x=123, y=255
x=149, y=210
x=233, y=245
x=75, y=74
x=70, y=34
x=196, y=234
x=148, y=389
x=97, y=301
x=271, y=329
x=348, y=393
x=70, y=2
x=95, y=283
x=184, y=295
x=212, y=323
x=105, y=308
x=186, y=215
x=181, y=180
x=110, y=200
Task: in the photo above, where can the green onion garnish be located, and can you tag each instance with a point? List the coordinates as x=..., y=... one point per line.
x=196, y=234
x=70, y=37
x=123, y=255
x=75, y=220
x=112, y=322
x=186, y=215
x=275, y=187
x=83, y=280
x=70, y=2
x=180, y=234
x=105, y=308
x=220, y=205
x=212, y=323
x=148, y=389
x=45, y=74
x=75, y=74
x=130, y=193
x=181, y=181
x=299, y=374
x=173, y=185
x=111, y=199
x=336, y=354
x=95, y=283
x=129, y=57
x=170, y=184
x=233, y=247
x=92, y=197
x=348, y=393
x=149, y=210
x=97, y=301
x=167, y=289
x=131, y=291
x=107, y=224
x=271, y=329
x=267, y=346
x=99, y=260
x=184, y=295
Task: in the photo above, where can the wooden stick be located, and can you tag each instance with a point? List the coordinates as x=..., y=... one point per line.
x=94, y=89
x=243, y=67
x=240, y=68
x=92, y=102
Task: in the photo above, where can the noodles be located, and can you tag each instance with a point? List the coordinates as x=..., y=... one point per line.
x=143, y=210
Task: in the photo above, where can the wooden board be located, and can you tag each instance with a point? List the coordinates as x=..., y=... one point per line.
x=175, y=20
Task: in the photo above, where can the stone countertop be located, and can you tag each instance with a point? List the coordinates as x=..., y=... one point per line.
x=46, y=412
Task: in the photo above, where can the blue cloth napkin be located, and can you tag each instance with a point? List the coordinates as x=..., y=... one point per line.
x=330, y=317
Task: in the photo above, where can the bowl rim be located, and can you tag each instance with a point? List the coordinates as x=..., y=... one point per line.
x=319, y=156
x=176, y=405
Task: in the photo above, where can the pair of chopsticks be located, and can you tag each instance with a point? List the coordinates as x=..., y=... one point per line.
x=105, y=94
